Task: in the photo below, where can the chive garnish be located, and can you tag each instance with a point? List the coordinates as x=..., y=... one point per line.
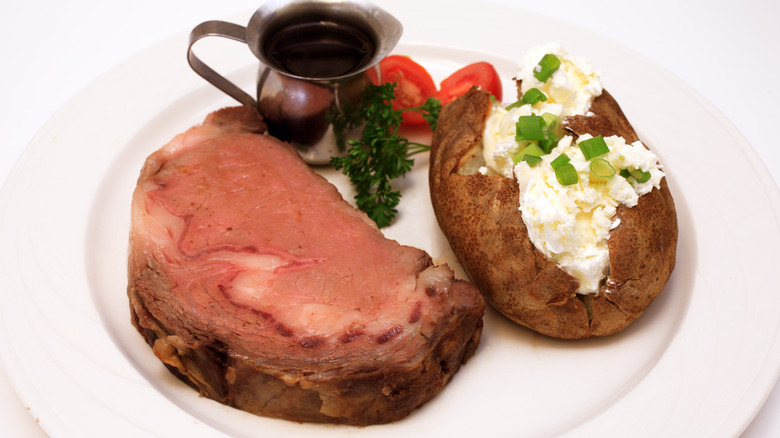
x=551, y=122
x=532, y=149
x=638, y=175
x=566, y=174
x=530, y=128
x=532, y=160
x=533, y=96
x=514, y=104
x=593, y=147
x=601, y=168
x=548, y=143
x=546, y=67
x=559, y=161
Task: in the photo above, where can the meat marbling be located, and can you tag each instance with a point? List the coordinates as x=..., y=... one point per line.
x=257, y=284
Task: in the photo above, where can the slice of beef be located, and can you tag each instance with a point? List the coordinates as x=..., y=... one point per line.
x=258, y=285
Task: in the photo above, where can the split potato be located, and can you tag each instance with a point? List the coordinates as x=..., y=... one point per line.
x=480, y=216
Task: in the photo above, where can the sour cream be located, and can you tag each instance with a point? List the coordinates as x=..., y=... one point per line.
x=573, y=86
x=569, y=91
x=571, y=224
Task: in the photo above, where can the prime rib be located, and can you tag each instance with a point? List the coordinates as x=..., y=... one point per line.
x=257, y=284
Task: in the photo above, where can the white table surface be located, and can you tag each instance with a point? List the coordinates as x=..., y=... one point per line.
x=726, y=50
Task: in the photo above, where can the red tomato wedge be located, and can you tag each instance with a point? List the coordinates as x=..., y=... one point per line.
x=414, y=85
x=482, y=74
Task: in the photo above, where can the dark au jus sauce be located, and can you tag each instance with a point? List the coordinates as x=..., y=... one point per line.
x=319, y=49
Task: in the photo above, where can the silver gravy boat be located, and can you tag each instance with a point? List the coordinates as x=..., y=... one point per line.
x=313, y=56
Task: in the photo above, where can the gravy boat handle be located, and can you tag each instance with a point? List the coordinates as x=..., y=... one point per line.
x=226, y=30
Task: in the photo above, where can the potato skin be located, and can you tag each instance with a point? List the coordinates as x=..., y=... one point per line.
x=480, y=217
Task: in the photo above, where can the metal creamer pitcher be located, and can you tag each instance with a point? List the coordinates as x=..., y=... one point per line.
x=313, y=59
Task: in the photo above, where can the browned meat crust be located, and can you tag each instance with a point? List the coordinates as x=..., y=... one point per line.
x=314, y=392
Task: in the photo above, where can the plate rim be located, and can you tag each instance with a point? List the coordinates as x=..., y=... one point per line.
x=30, y=394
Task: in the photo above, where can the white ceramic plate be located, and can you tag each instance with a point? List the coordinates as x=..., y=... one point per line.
x=699, y=362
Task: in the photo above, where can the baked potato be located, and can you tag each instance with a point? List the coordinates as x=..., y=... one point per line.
x=479, y=215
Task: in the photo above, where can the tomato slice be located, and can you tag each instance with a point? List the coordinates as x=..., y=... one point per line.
x=414, y=85
x=482, y=74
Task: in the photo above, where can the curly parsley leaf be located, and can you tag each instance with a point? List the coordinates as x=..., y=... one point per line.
x=381, y=155
x=430, y=112
x=343, y=119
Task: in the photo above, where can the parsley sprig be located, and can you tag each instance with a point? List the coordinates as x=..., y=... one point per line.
x=382, y=155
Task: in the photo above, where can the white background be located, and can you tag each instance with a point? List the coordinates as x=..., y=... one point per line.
x=726, y=50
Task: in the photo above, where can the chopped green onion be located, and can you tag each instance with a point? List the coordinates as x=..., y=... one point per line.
x=551, y=122
x=530, y=128
x=559, y=161
x=548, y=143
x=515, y=104
x=532, y=160
x=546, y=67
x=601, y=168
x=542, y=129
x=593, y=147
x=566, y=174
x=638, y=174
x=533, y=96
x=532, y=149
